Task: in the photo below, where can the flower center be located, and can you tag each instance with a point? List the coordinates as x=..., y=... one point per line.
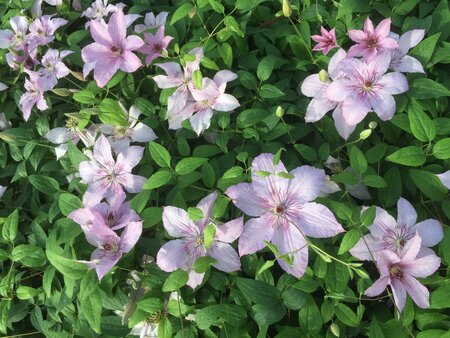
x=280, y=209
x=112, y=247
x=155, y=318
x=120, y=132
x=400, y=243
x=199, y=241
x=372, y=42
x=157, y=48
x=110, y=220
x=117, y=51
x=367, y=86
x=396, y=271
x=71, y=124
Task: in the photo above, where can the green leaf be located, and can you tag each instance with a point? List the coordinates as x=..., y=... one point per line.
x=150, y=305
x=197, y=77
x=410, y=156
x=202, y=264
x=265, y=67
x=84, y=96
x=44, y=184
x=441, y=149
x=29, y=255
x=10, y=227
x=217, y=6
x=209, y=233
x=111, y=113
x=422, y=126
x=176, y=280
x=348, y=241
x=188, y=165
x=368, y=216
x=88, y=285
x=440, y=298
x=267, y=315
x=159, y=154
x=268, y=91
x=424, y=50
x=374, y=181
x=226, y=52
x=68, y=203
x=233, y=26
x=164, y=328
x=91, y=309
x=158, y=179
x=75, y=155
x=346, y=315
x=68, y=267
x=219, y=313
x=357, y=159
x=252, y=116
x=258, y=291
x=346, y=178
x=181, y=12
x=424, y=88
x=5, y=305
x=26, y=292
x=309, y=316
x=429, y=184
x=265, y=266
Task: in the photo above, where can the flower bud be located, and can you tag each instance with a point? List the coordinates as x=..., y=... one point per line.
x=287, y=8
x=323, y=75
x=192, y=12
x=279, y=112
x=373, y=125
x=365, y=134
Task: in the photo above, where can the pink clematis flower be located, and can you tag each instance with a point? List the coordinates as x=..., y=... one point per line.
x=387, y=233
x=52, y=66
x=110, y=247
x=182, y=252
x=98, y=10
x=26, y=57
x=150, y=21
x=14, y=39
x=180, y=79
x=400, y=62
x=116, y=214
x=316, y=87
x=283, y=210
x=106, y=177
x=121, y=136
x=326, y=41
x=35, y=86
x=371, y=42
x=399, y=271
x=445, y=179
x=210, y=98
x=366, y=87
x=155, y=45
x=42, y=30
x=112, y=50
x=36, y=9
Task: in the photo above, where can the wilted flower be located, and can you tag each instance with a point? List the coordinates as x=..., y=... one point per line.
x=399, y=271
x=155, y=45
x=326, y=41
x=281, y=201
x=150, y=21
x=112, y=49
x=182, y=252
x=387, y=233
x=400, y=62
x=371, y=41
x=14, y=39
x=106, y=177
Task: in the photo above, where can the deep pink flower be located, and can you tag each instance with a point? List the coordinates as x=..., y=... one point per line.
x=326, y=41
x=400, y=62
x=35, y=86
x=182, y=252
x=284, y=211
x=372, y=40
x=155, y=45
x=387, y=233
x=399, y=271
x=150, y=21
x=110, y=247
x=106, y=177
x=366, y=86
x=14, y=39
x=112, y=49
x=42, y=30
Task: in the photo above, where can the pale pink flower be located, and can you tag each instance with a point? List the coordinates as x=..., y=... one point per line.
x=26, y=57
x=98, y=10
x=36, y=9
x=371, y=41
x=110, y=247
x=35, y=86
x=400, y=62
x=388, y=233
x=14, y=39
x=155, y=45
x=150, y=21
x=366, y=87
x=112, y=50
x=284, y=211
x=445, y=178
x=182, y=252
x=108, y=177
x=210, y=98
x=400, y=272
x=42, y=30
x=52, y=66
x=120, y=137
x=326, y=41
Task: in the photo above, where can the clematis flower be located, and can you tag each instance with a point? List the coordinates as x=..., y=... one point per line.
x=112, y=50
x=36, y=9
x=284, y=211
x=108, y=177
x=110, y=247
x=371, y=41
x=35, y=86
x=326, y=41
x=98, y=10
x=210, y=98
x=26, y=57
x=14, y=39
x=400, y=62
x=155, y=45
x=71, y=132
x=316, y=86
x=42, y=30
x=53, y=67
x=150, y=21
x=400, y=272
x=180, y=79
x=121, y=136
x=387, y=233
x=445, y=179
x=366, y=87
x=115, y=214
x=2, y=190
x=182, y=252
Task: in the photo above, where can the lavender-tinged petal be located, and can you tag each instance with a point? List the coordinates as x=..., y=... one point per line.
x=177, y=223
x=142, y=133
x=342, y=127
x=195, y=279
x=246, y=199
x=417, y=291
x=408, y=64
x=104, y=262
x=411, y=249
x=307, y=183
x=377, y=287
x=256, y=231
x=206, y=205
x=317, y=109
x=173, y=255
x=422, y=267
x=313, y=87
x=117, y=27
x=367, y=248
x=399, y=293
x=430, y=231
x=394, y=83
x=316, y=220
x=411, y=39
x=201, y=120
x=227, y=258
x=230, y=231
x=132, y=183
x=130, y=236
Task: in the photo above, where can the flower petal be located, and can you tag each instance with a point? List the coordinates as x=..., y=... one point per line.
x=422, y=267
x=256, y=231
x=230, y=231
x=316, y=220
x=377, y=287
x=407, y=216
x=399, y=293
x=227, y=258
x=342, y=127
x=246, y=199
x=394, y=83
x=130, y=236
x=417, y=291
x=430, y=231
x=307, y=183
x=177, y=223
x=411, y=39
x=117, y=27
x=367, y=248
x=383, y=105
x=173, y=255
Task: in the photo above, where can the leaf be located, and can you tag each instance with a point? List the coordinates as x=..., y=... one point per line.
x=269, y=91
x=202, y=264
x=10, y=227
x=424, y=88
x=440, y=298
x=309, y=316
x=209, y=233
x=29, y=255
x=441, y=149
x=5, y=306
x=84, y=96
x=158, y=179
x=233, y=26
x=88, y=284
x=175, y=281
x=226, y=53
x=181, y=12
x=150, y=305
x=68, y=267
x=374, y=181
x=429, y=184
x=424, y=50
x=188, y=165
x=267, y=315
x=346, y=315
x=410, y=156
x=265, y=67
x=252, y=116
x=219, y=313
x=348, y=241
x=68, y=203
x=164, y=328
x=44, y=184
x=357, y=160
x=422, y=126
x=159, y=154
x=258, y=292
x=91, y=309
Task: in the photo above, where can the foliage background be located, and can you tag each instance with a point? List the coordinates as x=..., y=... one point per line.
x=44, y=291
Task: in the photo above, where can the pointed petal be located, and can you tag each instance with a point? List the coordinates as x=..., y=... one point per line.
x=230, y=231
x=342, y=127
x=407, y=216
x=339, y=90
x=117, y=27
x=130, y=157
x=383, y=28
x=367, y=248
x=417, y=291
x=100, y=34
x=102, y=152
x=430, y=231
x=256, y=231
x=177, y=223
x=58, y=135
x=313, y=87
x=246, y=199
x=399, y=293
x=422, y=267
x=225, y=102
x=377, y=287
x=133, y=42
x=333, y=69
x=408, y=64
x=173, y=255
x=132, y=183
x=317, y=109
x=307, y=183
x=411, y=249
x=355, y=109
x=103, y=263
x=316, y=220
x=445, y=178
x=129, y=62
x=206, y=205
x=195, y=279
x=227, y=258
x=130, y=236
x=201, y=120
x=394, y=83
x=97, y=235
x=142, y=133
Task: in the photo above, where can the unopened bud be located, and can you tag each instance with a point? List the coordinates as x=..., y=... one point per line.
x=279, y=112
x=192, y=12
x=373, y=125
x=335, y=329
x=365, y=134
x=323, y=75
x=287, y=8
x=7, y=138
